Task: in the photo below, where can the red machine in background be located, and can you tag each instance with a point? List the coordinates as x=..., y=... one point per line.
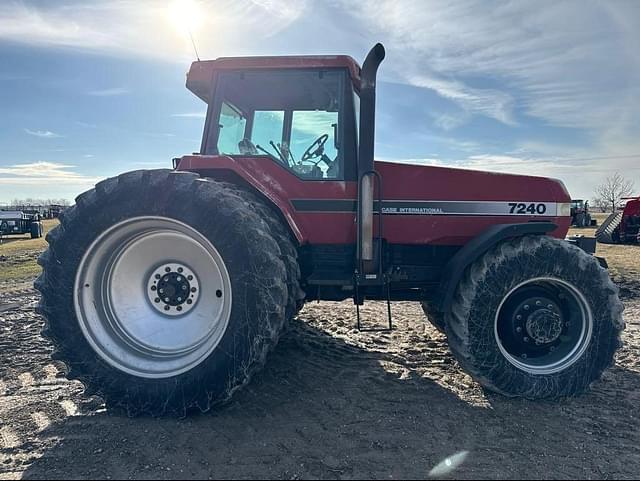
x=623, y=226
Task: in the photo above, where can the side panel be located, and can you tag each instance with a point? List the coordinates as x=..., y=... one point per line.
x=422, y=204
x=281, y=187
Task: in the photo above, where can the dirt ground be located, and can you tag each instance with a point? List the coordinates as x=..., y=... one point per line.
x=332, y=403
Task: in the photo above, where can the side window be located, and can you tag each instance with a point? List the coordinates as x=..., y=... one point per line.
x=267, y=127
x=308, y=130
x=232, y=127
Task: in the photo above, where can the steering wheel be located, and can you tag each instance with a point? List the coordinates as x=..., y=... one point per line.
x=316, y=149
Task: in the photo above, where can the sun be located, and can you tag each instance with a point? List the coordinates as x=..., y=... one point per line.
x=185, y=15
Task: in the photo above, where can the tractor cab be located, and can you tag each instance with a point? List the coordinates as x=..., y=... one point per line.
x=300, y=112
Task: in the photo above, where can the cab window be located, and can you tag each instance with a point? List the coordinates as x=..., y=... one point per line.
x=293, y=117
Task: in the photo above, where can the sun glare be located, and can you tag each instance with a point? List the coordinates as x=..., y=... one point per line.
x=185, y=15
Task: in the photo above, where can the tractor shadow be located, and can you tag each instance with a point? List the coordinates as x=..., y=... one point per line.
x=327, y=409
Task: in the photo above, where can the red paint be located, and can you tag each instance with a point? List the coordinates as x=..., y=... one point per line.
x=631, y=209
x=200, y=78
x=400, y=182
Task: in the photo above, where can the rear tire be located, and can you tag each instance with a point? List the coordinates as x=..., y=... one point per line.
x=434, y=316
x=509, y=345
x=249, y=253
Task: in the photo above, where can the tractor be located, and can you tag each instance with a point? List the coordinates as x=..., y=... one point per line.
x=580, y=214
x=622, y=226
x=163, y=291
x=14, y=222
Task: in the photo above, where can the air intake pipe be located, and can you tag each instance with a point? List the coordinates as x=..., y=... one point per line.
x=366, y=172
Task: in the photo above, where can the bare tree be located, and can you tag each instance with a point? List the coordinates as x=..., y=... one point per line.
x=613, y=189
x=600, y=204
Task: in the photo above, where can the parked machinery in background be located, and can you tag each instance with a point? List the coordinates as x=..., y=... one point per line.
x=622, y=226
x=16, y=222
x=580, y=215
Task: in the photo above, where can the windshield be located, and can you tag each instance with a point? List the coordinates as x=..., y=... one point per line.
x=294, y=117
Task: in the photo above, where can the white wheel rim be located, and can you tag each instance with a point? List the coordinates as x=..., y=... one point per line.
x=120, y=310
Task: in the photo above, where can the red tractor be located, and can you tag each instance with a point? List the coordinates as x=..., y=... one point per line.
x=164, y=290
x=623, y=226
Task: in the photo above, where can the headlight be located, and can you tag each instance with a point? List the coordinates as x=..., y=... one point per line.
x=564, y=209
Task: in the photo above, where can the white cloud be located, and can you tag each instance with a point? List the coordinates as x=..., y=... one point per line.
x=142, y=27
x=44, y=134
x=191, y=115
x=569, y=63
x=110, y=92
x=44, y=174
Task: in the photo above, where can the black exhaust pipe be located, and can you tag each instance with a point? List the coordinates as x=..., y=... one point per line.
x=366, y=171
x=368, y=107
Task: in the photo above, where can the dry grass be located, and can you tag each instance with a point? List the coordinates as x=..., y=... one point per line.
x=18, y=255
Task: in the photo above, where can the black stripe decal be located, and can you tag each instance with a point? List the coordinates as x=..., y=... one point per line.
x=410, y=207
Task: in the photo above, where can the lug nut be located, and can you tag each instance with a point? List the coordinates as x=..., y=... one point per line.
x=179, y=278
x=161, y=291
x=180, y=269
x=166, y=308
x=518, y=329
x=153, y=288
x=219, y=293
x=538, y=303
x=189, y=301
x=527, y=307
x=550, y=306
x=157, y=299
x=179, y=299
x=518, y=317
x=166, y=299
x=193, y=289
x=190, y=277
x=179, y=308
x=167, y=269
x=184, y=287
x=157, y=276
x=526, y=339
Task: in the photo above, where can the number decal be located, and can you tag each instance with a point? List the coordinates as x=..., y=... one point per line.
x=527, y=209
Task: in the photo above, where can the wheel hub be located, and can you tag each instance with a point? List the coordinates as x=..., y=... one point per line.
x=173, y=289
x=544, y=326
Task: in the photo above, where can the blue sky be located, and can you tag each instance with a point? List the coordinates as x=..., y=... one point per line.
x=89, y=89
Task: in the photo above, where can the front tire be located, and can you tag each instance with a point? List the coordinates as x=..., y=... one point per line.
x=536, y=318
x=149, y=230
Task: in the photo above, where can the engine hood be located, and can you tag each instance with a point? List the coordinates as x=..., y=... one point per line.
x=420, y=182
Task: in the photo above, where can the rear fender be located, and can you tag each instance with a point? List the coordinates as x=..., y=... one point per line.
x=230, y=171
x=455, y=268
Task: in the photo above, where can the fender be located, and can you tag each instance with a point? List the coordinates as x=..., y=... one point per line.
x=226, y=166
x=455, y=268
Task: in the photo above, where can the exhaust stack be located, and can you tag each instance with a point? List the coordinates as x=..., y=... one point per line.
x=366, y=172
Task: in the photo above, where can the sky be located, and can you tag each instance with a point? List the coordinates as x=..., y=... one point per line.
x=90, y=89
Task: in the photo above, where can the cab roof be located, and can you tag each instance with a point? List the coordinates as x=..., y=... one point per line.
x=200, y=75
